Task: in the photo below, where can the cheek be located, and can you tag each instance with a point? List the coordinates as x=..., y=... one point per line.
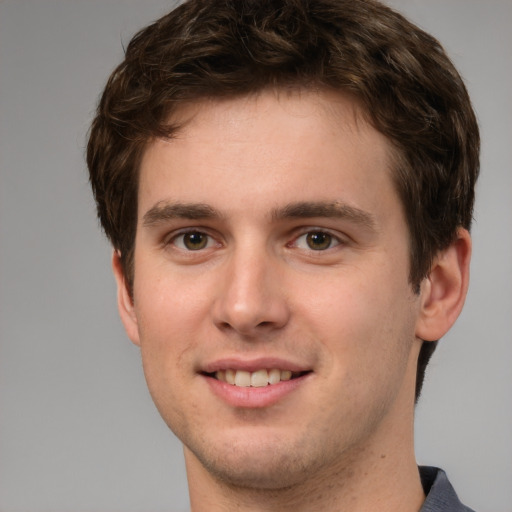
x=366, y=323
x=169, y=304
x=166, y=351
x=168, y=315
x=368, y=347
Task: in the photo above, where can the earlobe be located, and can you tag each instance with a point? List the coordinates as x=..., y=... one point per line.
x=125, y=301
x=444, y=291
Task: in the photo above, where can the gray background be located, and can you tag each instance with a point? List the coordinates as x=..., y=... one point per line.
x=78, y=431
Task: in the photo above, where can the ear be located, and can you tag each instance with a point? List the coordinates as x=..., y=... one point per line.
x=125, y=301
x=444, y=291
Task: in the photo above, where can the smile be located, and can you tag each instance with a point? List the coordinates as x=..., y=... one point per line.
x=256, y=379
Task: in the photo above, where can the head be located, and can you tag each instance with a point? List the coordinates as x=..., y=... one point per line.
x=406, y=87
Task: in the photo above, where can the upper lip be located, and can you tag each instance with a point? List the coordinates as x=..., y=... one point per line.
x=252, y=365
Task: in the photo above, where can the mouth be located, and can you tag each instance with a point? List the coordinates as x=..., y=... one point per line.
x=256, y=383
x=256, y=379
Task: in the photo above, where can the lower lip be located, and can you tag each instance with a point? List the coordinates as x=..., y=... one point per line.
x=253, y=397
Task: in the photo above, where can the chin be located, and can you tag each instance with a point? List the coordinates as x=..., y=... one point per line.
x=259, y=472
x=270, y=464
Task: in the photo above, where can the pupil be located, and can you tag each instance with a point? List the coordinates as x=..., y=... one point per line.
x=195, y=241
x=318, y=241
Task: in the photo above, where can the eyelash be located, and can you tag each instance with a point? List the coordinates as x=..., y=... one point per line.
x=178, y=240
x=210, y=241
x=333, y=240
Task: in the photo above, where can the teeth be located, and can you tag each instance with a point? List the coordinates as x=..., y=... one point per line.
x=257, y=379
x=286, y=374
x=274, y=376
x=230, y=377
x=242, y=379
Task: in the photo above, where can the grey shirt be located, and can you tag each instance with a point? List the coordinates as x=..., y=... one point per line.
x=440, y=495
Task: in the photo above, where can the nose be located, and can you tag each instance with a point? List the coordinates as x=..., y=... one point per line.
x=251, y=300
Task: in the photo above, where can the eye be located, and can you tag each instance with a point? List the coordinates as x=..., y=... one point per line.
x=192, y=241
x=316, y=241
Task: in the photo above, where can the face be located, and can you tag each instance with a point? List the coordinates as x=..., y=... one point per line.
x=271, y=299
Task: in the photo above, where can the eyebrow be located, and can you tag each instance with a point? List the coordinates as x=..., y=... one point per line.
x=335, y=209
x=164, y=211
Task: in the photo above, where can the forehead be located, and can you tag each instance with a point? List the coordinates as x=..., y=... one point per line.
x=309, y=145
x=294, y=108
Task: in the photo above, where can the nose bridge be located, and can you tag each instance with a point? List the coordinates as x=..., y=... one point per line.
x=251, y=297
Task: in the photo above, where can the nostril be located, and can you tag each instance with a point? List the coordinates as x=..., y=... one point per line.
x=250, y=307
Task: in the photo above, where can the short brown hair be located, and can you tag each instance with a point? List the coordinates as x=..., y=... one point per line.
x=408, y=87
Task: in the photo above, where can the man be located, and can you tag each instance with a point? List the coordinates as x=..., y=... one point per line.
x=288, y=187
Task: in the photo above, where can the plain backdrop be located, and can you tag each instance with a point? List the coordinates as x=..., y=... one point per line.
x=78, y=431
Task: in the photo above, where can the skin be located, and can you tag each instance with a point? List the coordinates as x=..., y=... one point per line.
x=343, y=438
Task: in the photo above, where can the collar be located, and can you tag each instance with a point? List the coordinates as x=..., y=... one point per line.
x=440, y=495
